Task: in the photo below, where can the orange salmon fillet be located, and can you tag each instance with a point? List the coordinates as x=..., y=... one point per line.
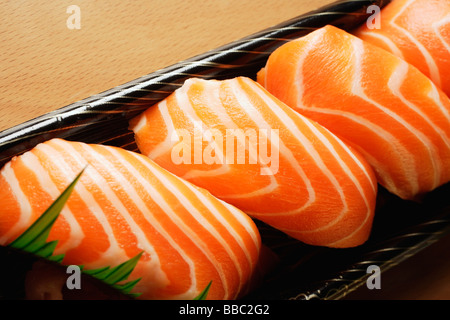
x=124, y=204
x=417, y=31
x=378, y=103
x=247, y=148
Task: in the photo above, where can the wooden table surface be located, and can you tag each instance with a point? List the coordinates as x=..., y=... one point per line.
x=45, y=65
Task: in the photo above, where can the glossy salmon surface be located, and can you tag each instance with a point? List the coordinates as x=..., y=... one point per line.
x=125, y=204
x=417, y=31
x=249, y=149
x=381, y=105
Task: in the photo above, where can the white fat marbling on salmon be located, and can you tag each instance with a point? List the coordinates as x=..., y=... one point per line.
x=160, y=200
x=104, y=165
x=291, y=125
x=199, y=126
x=126, y=194
x=359, y=91
x=442, y=24
x=258, y=118
x=299, y=85
x=110, y=255
x=395, y=82
x=48, y=186
x=168, y=142
x=387, y=41
x=432, y=66
x=187, y=203
x=24, y=204
x=434, y=95
x=211, y=95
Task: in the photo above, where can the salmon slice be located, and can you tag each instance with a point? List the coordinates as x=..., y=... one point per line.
x=247, y=148
x=125, y=204
x=381, y=105
x=417, y=31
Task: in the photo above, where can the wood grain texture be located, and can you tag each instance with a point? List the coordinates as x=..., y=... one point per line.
x=45, y=66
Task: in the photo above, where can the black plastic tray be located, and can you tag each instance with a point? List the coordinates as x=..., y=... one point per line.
x=401, y=228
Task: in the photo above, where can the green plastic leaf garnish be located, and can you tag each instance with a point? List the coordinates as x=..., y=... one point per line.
x=112, y=276
x=204, y=293
x=34, y=239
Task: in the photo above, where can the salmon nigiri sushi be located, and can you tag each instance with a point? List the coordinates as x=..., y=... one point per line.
x=417, y=31
x=125, y=204
x=384, y=107
x=247, y=148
